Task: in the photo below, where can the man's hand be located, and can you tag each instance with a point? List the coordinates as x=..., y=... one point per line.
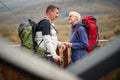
x=58, y=58
x=63, y=47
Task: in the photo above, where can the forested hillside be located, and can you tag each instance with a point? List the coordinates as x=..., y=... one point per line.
x=107, y=13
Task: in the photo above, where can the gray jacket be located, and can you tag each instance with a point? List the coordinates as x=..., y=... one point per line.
x=50, y=42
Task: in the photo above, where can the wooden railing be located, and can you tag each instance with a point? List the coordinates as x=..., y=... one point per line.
x=66, y=53
x=10, y=73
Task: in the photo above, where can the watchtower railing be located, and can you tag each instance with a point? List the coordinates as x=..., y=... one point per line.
x=28, y=64
x=66, y=57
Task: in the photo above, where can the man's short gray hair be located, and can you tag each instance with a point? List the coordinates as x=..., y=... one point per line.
x=74, y=13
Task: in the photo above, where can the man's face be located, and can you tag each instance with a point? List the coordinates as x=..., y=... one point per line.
x=54, y=14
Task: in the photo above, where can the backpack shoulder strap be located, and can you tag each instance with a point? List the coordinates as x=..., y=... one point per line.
x=38, y=26
x=76, y=32
x=44, y=19
x=40, y=22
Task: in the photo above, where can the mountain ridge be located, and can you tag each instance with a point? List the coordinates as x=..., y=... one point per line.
x=106, y=12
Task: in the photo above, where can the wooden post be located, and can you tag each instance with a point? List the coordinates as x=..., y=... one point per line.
x=14, y=74
x=5, y=72
x=22, y=76
x=65, y=57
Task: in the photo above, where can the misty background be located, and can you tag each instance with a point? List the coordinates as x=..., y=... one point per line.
x=14, y=12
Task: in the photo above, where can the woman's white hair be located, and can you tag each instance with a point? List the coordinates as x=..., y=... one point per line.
x=74, y=13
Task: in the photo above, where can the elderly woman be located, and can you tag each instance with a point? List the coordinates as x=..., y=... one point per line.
x=78, y=43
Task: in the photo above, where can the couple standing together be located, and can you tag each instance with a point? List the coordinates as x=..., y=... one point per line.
x=49, y=35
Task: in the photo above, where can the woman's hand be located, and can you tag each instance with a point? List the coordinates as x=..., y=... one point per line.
x=68, y=44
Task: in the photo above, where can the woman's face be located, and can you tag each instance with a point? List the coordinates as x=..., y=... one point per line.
x=72, y=19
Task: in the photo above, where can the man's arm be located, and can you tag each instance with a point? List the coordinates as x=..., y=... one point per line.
x=47, y=38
